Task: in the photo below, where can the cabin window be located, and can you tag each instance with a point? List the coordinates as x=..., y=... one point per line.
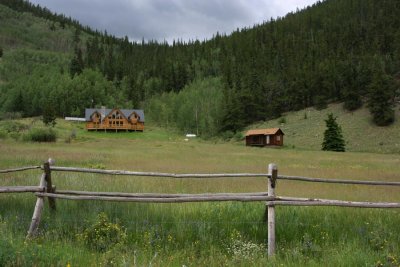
x=278, y=138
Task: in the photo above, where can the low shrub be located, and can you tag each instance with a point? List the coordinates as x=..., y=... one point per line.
x=71, y=136
x=41, y=135
x=227, y=135
x=15, y=135
x=103, y=234
x=11, y=126
x=282, y=120
x=238, y=136
x=3, y=134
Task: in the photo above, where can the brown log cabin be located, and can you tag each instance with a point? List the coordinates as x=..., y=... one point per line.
x=103, y=119
x=264, y=137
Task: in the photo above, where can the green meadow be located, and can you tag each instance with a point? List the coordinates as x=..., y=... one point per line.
x=95, y=233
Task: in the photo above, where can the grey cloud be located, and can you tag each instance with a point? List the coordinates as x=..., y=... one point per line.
x=171, y=19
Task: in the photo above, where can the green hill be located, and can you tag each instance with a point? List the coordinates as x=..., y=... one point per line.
x=335, y=51
x=304, y=129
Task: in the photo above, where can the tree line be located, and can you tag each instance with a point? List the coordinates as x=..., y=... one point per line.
x=334, y=51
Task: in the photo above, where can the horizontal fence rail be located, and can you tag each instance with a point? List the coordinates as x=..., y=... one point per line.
x=21, y=189
x=158, y=174
x=335, y=181
x=221, y=175
x=209, y=198
x=156, y=195
x=20, y=169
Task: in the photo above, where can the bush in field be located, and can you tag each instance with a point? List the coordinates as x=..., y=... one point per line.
x=10, y=126
x=227, y=135
x=3, y=134
x=238, y=136
x=282, y=120
x=103, y=234
x=41, y=135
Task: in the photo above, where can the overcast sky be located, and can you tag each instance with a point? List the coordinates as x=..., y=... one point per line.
x=171, y=19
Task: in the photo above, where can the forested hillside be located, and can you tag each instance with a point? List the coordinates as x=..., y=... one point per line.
x=337, y=50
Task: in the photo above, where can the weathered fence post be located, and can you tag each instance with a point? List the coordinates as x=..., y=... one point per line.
x=49, y=187
x=272, y=176
x=37, y=213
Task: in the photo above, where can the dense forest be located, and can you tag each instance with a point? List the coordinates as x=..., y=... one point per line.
x=334, y=51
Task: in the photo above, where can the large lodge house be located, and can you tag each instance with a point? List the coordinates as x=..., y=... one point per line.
x=103, y=119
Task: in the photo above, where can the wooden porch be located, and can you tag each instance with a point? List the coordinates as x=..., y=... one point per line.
x=92, y=126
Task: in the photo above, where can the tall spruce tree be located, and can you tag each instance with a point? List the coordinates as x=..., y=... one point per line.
x=381, y=98
x=76, y=65
x=49, y=114
x=333, y=138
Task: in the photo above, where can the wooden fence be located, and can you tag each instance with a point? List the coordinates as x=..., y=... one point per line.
x=46, y=189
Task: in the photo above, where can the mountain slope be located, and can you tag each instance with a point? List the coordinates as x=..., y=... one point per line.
x=304, y=129
x=330, y=52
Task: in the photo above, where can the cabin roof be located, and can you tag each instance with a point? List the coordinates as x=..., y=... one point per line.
x=270, y=131
x=125, y=112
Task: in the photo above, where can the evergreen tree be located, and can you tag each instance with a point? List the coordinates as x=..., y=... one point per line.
x=352, y=99
x=49, y=114
x=333, y=138
x=76, y=66
x=18, y=102
x=381, y=99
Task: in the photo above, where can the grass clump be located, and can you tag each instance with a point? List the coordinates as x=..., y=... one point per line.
x=41, y=135
x=103, y=234
x=242, y=249
x=12, y=126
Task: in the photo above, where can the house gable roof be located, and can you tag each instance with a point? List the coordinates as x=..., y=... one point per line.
x=116, y=109
x=125, y=112
x=270, y=131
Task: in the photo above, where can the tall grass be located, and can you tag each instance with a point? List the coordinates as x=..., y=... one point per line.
x=197, y=234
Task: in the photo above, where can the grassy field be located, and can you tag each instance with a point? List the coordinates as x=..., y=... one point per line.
x=194, y=234
x=304, y=129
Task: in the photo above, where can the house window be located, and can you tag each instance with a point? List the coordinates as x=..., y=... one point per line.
x=278, y=138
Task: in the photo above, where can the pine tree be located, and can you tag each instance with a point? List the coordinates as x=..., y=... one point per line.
x=76, y=66
x=381, y=99
x=333, y=138
x=18, y=102
x=49, y=114
x=352, y=99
